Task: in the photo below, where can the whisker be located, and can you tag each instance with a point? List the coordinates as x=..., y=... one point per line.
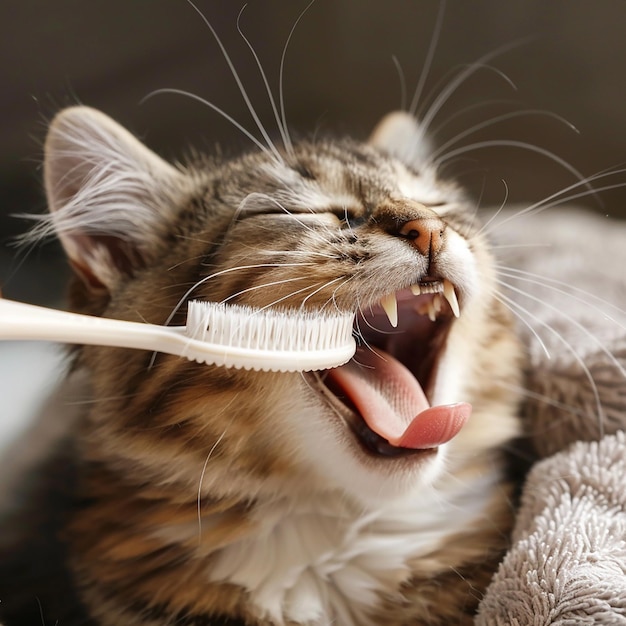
x=257, y=194
x=454, y=84
x=378, y=331
x=484, y=227
x=478, y=202
x=402, y=81
x=505, y=246
x=510, y=143
x=242, y=89
x=281, y=72
x=496, y=120
x=281, y=128
x=360, y=336
x=206, y=462
x=187, y=260
x=289, y=295
x=305, y=253
x=263, y=286
x=541, y=280
x=471, y=107
x=320, y=289
x=510, y=304
x=569, y=348
x=570, y=319
x=233, y=121
x=544, y=204
x=336, y=289
x=544, y=399
x=200, y=282
x=432, y=47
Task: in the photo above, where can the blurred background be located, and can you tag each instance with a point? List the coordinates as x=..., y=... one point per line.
x=563, y=57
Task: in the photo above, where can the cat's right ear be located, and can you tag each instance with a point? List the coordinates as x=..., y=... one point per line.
x=109, y=196
x=400, y=135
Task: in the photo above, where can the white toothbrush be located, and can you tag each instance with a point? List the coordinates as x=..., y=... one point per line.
x=220, y=334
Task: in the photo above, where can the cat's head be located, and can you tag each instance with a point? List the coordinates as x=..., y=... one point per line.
x=324, y=224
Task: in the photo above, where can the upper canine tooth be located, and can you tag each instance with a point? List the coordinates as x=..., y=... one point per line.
x=390, y=306
x=450, y=295
x=416, y=290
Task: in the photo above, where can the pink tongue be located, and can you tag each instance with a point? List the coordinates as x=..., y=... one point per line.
x=393, y=403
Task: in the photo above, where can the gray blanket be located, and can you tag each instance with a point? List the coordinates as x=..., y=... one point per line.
x=567, y=563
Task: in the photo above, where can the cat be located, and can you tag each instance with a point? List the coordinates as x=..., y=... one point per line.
x=194, y=494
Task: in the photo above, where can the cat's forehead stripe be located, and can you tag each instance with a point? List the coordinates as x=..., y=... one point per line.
x=347, y=185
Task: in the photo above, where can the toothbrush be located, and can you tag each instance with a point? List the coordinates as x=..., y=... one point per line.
x=228, y=335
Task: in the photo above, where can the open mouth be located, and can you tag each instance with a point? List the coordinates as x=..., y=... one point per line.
x=384, y=393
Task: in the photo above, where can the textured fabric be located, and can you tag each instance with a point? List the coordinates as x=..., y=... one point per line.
x=567, y=563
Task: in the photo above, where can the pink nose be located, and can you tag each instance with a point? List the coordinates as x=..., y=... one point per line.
x=425, y=233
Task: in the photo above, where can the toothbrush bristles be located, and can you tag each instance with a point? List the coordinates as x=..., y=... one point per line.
x=272, y=332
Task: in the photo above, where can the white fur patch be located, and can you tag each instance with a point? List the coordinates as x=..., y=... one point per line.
x=325, y=562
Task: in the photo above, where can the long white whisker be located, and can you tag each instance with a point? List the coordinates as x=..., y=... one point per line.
x=289, y=295
x=305, y=253
x=548, y=400
x=234, y=122
x=285, y=210
x=359, y=332
x=544, y=204
x=326, y=284
x=275, y=202
x=281, y=72
x=242, y=89
x=336, y=289
x=197, y=284
x=570, y=319
x=485, y=226
x=541, y=280
x=585, y=182
x=453, y=85
x=432, y=46
x=497, y=120
x=471, y=107
x=570, y=348
x=263, y=286
x=475, y=67
x=511, y=304
x=281, y=129
x=505, y=246
x=510, y=143
x=206, y=462
x=402, y=81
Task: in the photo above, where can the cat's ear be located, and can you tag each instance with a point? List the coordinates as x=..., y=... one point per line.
x=109, y=196
x=400, y=135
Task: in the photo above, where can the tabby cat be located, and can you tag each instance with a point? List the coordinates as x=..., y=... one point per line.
x=199, y=495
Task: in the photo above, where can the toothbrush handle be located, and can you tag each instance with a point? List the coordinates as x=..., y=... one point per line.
x=21, y=321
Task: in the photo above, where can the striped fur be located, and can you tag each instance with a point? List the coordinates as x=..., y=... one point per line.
x=208, y=496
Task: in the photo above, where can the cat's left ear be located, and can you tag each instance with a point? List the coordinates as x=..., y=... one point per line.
x=110, y=197
x=400, y=135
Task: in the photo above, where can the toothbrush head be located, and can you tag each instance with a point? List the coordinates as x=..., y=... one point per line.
x=268, y=339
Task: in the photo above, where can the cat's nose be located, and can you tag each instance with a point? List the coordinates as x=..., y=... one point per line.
x=426, y=233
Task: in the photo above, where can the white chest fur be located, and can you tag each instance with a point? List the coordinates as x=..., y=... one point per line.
x=323, y=562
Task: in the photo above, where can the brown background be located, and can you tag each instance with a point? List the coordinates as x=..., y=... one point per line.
x=339, y=76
